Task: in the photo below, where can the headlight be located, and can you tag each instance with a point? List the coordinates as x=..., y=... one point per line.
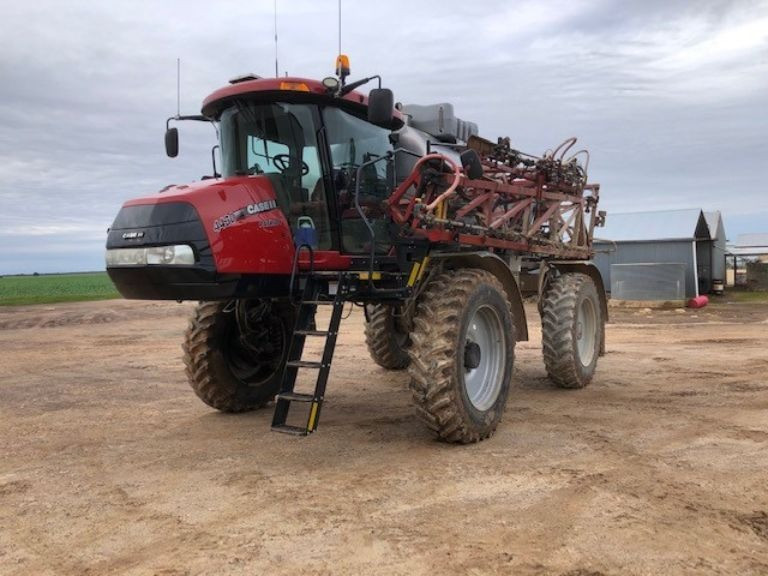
x=179, y=255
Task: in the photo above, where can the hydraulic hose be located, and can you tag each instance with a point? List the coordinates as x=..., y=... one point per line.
x=452, y=188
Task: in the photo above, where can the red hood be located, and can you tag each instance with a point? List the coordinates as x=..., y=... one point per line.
x=247, y=232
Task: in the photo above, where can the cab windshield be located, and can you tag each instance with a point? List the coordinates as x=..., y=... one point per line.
x=278, y=141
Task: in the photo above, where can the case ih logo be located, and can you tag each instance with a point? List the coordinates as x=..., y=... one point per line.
x=228, y=219
x=132, y=235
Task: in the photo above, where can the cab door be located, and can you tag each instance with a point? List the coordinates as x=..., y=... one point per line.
x=353, y=142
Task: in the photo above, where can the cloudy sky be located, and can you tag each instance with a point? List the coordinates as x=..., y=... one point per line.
x=671, y=97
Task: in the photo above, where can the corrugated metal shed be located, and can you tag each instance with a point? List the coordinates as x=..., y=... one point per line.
x=690, y=237
x=688, y=224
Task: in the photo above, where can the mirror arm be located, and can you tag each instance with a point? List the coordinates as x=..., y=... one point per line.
x=196, y=117
x=349, y=87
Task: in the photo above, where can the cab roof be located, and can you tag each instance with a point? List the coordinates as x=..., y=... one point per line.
x=288, y=89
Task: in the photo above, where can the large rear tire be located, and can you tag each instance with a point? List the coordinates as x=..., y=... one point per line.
x=387, y=342
x=462, y=354
x=232, y=367
x=571, y=330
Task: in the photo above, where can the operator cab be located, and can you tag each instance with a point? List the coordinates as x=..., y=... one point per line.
x=326, y=151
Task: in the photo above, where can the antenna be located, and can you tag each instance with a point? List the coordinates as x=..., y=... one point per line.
x=277, y=74
x=339, y=26
x=178, y=87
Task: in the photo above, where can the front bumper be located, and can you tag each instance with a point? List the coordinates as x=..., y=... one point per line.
x=192, y=283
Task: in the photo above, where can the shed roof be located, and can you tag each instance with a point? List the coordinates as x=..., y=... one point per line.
x=750, y=245
x=714, y=223
x=752, y=241
x=688, y=224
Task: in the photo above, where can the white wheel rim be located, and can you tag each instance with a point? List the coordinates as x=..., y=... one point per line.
x=586, y=331
x=484, y=382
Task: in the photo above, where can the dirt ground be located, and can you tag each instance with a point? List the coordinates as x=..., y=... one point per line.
x=110, y=465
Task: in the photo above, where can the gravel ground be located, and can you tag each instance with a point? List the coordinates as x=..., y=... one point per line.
x=110, y=465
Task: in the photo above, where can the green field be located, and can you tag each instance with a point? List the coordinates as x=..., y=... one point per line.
x=45, y=289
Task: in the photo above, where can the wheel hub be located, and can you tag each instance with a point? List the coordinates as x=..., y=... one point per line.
x=472, y=355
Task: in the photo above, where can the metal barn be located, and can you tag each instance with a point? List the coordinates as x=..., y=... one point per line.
x=672, y=254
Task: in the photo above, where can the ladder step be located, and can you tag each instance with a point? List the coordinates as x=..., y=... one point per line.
x=296, y=397
x=312, y=332
x=304, y=364
x=292, y=430
x=316, y=302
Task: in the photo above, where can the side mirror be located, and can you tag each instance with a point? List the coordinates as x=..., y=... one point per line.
x=172, y=142
x=381, y=102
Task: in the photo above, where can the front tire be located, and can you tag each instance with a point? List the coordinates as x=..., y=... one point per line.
x=571, y=330
x=462, y=355
x=235, y=368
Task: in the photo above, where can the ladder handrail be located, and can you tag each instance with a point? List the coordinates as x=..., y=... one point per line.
x=295, y=264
